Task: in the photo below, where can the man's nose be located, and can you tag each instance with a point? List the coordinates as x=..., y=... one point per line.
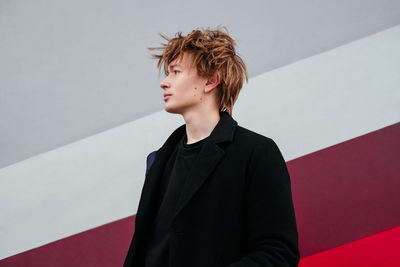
x=164, y=84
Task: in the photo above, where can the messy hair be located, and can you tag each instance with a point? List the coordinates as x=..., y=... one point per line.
x=213, y=53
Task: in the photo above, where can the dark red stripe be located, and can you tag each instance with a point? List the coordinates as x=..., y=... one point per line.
x=381, y=249
x=347, y=191
x=106, y=245
x=341, y=194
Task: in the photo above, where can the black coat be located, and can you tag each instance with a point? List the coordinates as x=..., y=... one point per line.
x=236, y=207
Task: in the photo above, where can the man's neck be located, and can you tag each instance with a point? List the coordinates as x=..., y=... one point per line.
x=200, y=125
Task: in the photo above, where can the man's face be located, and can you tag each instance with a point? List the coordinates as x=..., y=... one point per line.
x=183, y=87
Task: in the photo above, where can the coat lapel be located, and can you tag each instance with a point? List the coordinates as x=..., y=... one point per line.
x=208, y=158
x=149, y=201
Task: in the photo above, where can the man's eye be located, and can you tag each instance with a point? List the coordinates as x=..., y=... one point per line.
x=176, y=71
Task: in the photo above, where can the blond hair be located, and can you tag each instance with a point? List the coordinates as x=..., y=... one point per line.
x=213, y=51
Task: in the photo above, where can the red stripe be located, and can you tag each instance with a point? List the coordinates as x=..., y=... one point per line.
x=341, y=194
x=106, y=245
x=381, y=249
x=347, y=191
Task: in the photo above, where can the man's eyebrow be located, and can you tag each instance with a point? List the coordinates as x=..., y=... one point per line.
x=174, y=65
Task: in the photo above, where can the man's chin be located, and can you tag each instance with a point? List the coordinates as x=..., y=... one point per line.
x=172, y=110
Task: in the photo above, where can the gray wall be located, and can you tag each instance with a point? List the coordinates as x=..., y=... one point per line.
x=71, y=69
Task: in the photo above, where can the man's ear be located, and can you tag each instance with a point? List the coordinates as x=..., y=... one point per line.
x=212, y=82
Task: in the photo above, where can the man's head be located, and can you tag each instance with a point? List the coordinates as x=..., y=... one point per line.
x=202, y=70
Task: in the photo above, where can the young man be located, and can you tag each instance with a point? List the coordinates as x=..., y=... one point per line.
x=215, y=194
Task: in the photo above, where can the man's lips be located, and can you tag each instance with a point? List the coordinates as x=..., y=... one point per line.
x=166, y=96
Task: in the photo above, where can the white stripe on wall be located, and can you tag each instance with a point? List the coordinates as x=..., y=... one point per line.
x=328, y=98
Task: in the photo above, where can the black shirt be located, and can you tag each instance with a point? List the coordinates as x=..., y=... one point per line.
x=174, y=178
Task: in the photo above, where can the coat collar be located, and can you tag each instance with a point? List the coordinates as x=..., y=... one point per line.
x=209, y=156
x=223, y=131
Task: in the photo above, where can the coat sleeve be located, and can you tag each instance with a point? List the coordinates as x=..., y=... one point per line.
x=129, y=256
x=271, y=231
x=150, y=159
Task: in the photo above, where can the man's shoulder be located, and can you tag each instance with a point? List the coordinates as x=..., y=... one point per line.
x=257, y=144
x=151, y=157
x=252, y=138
